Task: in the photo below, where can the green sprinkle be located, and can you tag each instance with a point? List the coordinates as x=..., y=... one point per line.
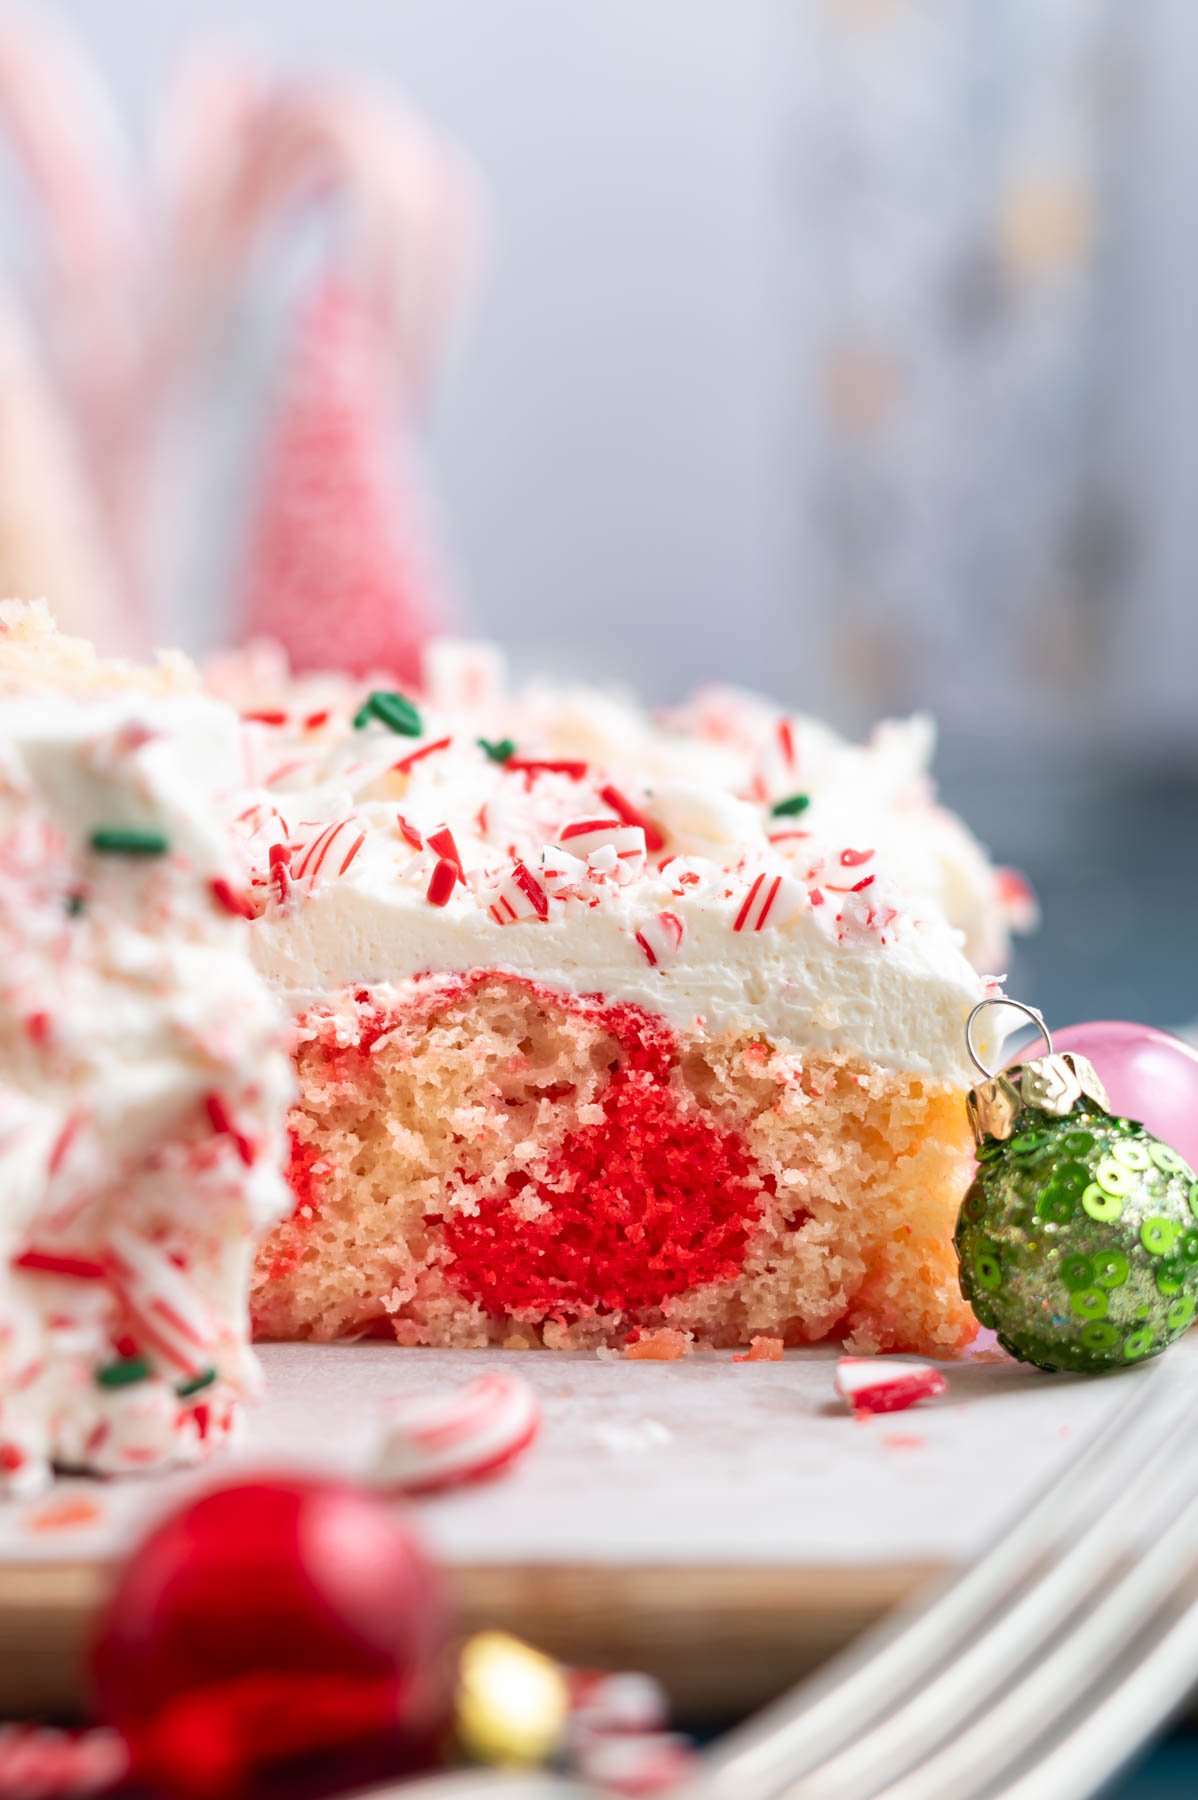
x=128, y=840
x=75, y=904
x=187, y=1388
x=123, y=1373
x=499, y=752
x=392, y=710
x=792, y=807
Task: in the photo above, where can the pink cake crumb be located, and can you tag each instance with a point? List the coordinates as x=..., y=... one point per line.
x=761, y=1349
x=663, y=1345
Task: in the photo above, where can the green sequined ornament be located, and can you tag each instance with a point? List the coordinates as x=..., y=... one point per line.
x=1078, y=1237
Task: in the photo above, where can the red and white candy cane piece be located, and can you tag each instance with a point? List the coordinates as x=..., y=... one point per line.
x=582, y=837
x=880, y=1384
x=632, y=815
x=162, y=1303
x=777, y=764
x=769, y=900
x=603, y=1702
x=560, y=873
x=324, y=852
x=661, y=938
x=37, y=1763
x=520, y=897
x=636, y=1766
x=439, y=1440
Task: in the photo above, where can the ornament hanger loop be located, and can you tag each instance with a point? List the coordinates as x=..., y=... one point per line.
x=1032, y=1012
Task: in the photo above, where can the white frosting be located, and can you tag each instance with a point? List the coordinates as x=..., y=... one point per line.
x=143, y=1087
x=854, y=953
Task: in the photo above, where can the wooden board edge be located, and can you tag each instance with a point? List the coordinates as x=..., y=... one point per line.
x=722, y=1639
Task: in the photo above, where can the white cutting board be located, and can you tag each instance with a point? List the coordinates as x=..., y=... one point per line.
x=697, y=1461
x=664, y=1504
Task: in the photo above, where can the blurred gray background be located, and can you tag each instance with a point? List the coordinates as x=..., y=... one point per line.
x=840, y=347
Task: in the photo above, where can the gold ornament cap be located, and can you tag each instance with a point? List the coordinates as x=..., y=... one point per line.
x=1052, y=1084
x=513, y=1703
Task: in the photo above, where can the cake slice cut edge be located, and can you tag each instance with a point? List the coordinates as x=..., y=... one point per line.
x=482, y=1160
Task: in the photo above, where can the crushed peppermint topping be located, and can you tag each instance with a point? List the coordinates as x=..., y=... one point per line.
x=327, y=850
x=442, y=841
x=240, y=906
x=770, y=899
x=520, y=897
x=539, y=765
x=661, y=938
x=631, y=815
x=407, y=763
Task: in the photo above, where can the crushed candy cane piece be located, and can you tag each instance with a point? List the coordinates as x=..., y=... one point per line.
x=438, y=1440
x=169, y=1314
x=882, y=1384
x=770, y=900
x=520, y=897
x=325, y=851
x=660, y=938
x=636, y=1765
x=586, y=837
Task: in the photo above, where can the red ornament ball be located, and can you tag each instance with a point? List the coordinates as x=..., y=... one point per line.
x=269, y=1620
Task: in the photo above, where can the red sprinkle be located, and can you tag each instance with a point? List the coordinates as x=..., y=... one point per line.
x=853, y=859
x=265, y=718
x=442, y=881
x=406, y=762
x=227, y=897
x=52, y=1262
x=315, y=720
x=531, y=765
x=632, y=815
x=409, y=833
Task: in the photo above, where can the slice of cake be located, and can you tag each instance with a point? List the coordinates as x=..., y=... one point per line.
x=604, y=1026
x=143, y=1084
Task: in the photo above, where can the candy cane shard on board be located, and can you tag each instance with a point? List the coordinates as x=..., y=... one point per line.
x=438, y=1440
x=881, y=1384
